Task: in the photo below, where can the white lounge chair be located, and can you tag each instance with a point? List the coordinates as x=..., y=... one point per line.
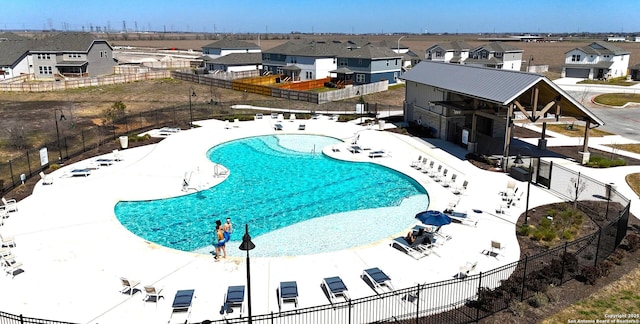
x=151, y=293
x=128, y=285
x=9, y=205
x=236, y=123
x=416, y=164
x=117, y=156
x=466, y=269
x=11, y=266
x=7, y=241
x=47, y=179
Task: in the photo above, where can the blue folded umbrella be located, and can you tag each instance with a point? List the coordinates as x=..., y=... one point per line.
x=433, y=217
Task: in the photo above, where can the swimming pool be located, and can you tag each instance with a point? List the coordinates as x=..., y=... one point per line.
x=285, y=189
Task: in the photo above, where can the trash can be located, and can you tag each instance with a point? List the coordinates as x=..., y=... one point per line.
x=124, y=142
x=381, y=124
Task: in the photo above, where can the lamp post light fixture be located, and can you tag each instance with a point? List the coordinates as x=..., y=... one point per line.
x=192, y=93
x=247, y=245
x=401, y=37
x=518, y=160
x=55, y=117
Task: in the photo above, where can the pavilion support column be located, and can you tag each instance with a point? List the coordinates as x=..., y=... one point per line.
x=507, y=139
x=586, y=155
x=472, y=146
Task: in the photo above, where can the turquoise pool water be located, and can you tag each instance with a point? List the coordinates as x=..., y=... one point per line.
x=278, y=183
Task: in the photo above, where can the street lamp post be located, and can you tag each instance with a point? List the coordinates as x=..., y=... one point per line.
x=530, y=174
x=529, y=63
x=401, y=37
x=192, y=93
x=247, y=245
x=55, y=117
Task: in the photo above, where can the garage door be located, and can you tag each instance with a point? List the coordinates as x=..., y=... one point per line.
x=577, y=73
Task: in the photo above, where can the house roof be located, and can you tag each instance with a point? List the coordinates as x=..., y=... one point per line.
x=493, y=85
x=389, y=44
x=68, y=42
x=490, y=61
x=599, y=65
x=227, y=43
x=497, y=47
x=236, y=59
x=635, y=67
x=370, y=51
x=11, y=36
x=453, y=46
x=309, y=48
x=12, y=50
x=342, y=70
x=601, y=48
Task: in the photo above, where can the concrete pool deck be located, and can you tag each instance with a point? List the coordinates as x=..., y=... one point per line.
x=74, y=250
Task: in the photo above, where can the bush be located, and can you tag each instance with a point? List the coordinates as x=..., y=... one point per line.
x=517, y=307
x=589, y=275
x=567, y=235
x=549, y=235
x=524, y=230
x=54, y=166
x=633, y=242
x=538, y=300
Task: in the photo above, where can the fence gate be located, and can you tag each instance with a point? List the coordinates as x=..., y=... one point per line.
x=543, y=176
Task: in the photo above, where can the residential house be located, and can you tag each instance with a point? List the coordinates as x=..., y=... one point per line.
x=58, y=56
x=598, y=60
x=498, y=55
x=634, y=72
x=409, y=58
x=234, y=62
x=452, y=52
x=301, y=60
x=368, y=64
x=228, y=46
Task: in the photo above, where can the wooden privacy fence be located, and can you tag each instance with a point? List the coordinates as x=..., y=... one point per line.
x=304, y=85
x=82, y=82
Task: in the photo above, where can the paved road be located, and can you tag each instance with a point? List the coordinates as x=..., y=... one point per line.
x=622, y=121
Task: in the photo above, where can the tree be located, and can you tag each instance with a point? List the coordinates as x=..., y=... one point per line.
x=116, y=110
x=576, y=188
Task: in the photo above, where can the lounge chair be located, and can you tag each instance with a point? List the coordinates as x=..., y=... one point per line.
x=182, y=304
x=292, y=117
x=117, y=156
x=226, y=124
x=151, y=293
x=287, y=293
x=461, y=218
x=354, y=149
x=47, y=179
x=439, y=177
x=495, y=246
x=403, y=246
x=466, y=269
x=7, y=241
x=434, y=173
x=236, y=123
x=104, y=162
x=259, y=116
x=274, y=115
x=446, y=183
x=233, y=298
x=334, y=288
x=81, y=172
x=425, y=168
x=461, y=189
x=128, y=286
x=277, y=127
x=11, y=266
x=302, y=127
x=416, y=164
x=377, y=154
x=377, y=280
x=9, y=205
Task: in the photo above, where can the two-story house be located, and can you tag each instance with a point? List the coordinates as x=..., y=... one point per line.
x=302, y=60
x=451, y=52
x=598, y=60
x=368, y=64
x=496, y=55
x=58, y=56
x=231, y=55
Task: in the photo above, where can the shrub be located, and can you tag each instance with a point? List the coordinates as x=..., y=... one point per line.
x=570, y=262
x=517, y=307
x=54, y=166
x=633, y=242
x=524, y=230
x=604, y=268
x=567, y=235
x=617, y=256
x=537, y=235
x=538, y=300
x=589, y=275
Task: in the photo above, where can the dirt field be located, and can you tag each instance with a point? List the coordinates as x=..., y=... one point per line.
x=544, y=53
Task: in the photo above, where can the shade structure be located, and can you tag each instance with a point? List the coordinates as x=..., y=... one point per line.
x=433, y=217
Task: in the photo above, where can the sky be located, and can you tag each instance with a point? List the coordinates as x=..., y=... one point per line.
x=309, y=16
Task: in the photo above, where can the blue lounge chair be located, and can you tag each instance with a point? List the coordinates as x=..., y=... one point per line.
x=277, y=127
x=377, y=280
x=182, y=303
x=234, y=298
x=414, y=251
x=334, y=288
x=288, y=292
x=81, y=172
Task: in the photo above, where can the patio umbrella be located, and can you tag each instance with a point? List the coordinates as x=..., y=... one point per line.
x=433, y=217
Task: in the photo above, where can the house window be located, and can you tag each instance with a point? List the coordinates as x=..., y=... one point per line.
x=309, y=75
x=438, y=53
x=343, y=62
x=40, y=69
x=266, y=57
x=49, y=71
x=360, y=78
x=279, y=70
x=387, y=62
x=359, y=61
x=575, y=58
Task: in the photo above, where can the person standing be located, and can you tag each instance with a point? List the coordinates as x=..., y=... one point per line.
x=228, y=229
x=221, y=242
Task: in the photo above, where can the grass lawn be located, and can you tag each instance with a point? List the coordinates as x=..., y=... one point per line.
x=633, y=180
x=574, y=130
x=616, y=81
x=617, y=99
x=635, y=148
